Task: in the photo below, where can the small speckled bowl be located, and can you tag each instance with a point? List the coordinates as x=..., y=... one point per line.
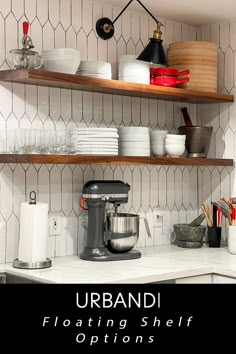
x=189, y=236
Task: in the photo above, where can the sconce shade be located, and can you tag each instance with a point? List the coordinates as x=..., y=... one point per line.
x=154, y=52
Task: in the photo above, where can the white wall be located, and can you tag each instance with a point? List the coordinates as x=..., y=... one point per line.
x=71, y=23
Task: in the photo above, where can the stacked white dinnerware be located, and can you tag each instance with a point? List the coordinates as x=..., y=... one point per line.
x=94, y=68
x=132, y=70
x=175, y=145
x=134, y=141
x=158, y=142
x=95, y=141
x=63, y=60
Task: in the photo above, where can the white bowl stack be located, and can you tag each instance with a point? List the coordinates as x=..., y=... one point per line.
x=95, y=141
x=63, y=60
x=94, y=68
x=175, y=145
x=132, y=70
x=158, y=142
x=134, y=141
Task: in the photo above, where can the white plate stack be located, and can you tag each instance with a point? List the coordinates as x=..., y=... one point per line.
x=132, y=70
x=93, y=68
x=134, y=141
x=95, y=141
x=158, y=142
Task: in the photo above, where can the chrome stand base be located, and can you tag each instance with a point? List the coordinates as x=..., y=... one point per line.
x=32, y=265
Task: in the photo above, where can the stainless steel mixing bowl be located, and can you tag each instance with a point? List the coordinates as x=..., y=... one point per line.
x=123, y=223
x=197, y=140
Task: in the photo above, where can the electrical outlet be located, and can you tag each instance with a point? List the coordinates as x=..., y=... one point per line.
x=55, y=225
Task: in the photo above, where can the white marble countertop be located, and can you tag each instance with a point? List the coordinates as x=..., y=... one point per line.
x=156, y=264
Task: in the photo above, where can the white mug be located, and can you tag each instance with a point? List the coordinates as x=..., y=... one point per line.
x=232, y=239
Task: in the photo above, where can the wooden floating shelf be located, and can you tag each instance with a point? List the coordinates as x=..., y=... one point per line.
x=112, y=160
x=116, y=87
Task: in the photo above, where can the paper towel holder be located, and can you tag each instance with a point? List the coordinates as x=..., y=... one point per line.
x=32, y=265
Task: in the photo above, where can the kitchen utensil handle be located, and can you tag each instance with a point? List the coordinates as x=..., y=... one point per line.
x=81, y=202
x=147, y=228
x=214, y=215
x=186, y=117
x=184, y=72
x=25, y=28
x=185, y=79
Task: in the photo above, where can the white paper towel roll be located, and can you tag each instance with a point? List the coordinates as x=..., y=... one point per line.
x=33, y=232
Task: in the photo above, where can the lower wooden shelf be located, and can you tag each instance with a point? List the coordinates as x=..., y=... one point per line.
x=112, y=160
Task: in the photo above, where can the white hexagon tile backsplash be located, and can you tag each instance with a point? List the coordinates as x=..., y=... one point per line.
x=176, y=191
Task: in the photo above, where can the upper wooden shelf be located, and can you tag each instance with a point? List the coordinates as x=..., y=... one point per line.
x=112, y=160
x=116, y=87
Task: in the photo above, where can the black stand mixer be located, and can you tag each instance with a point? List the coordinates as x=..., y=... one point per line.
x=110, y=236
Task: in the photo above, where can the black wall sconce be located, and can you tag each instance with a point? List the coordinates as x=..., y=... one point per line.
x=152, y=53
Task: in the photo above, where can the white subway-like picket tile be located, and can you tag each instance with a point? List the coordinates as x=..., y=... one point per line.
x=206, y=33
x=42, y=11
x=65, y=105
x=72, y=234
x=54, y=12
x=60, y=37
x=145, y=188
x=48, y=36
x=177, y=32
x=87, y=107
x=31, y=181
x=5, y=7
x=17, y=8
x=76, y=14
x=224, y=36
x=5, y=99
x=65, y=13
x=229, y=68
x=66, y=190
x=128, y=178
x=215, y=188
x=3, y=228
x=12, y=238
x=31, y=94
x=112, y=57
x=43, y=185
x=136, y=111
x=30, y=9
x=170, y=179
x=18, y=189
x=87, y=20
x=107, y=109
x=126, y=25
x=6, y=195
x=37, y=35
x=117, y=110
x=206, y=177
x=92, y=46
x=178, y=185
x=161, y=114
x=215, y=33
x=11, y=41
x=2, y=40
x=162, y=188
x=55, y=96
x=55, y=190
